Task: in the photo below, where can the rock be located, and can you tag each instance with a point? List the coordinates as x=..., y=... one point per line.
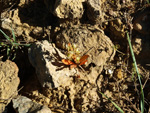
x=46, y=58
x=137, y=46
x=25, y=105
x=141, y=44
x=23, y=26
x=9, y=82
x=66, y=9
x=13, y=21
x=76, y=97
x=44, y=109
x=89, y=41
x=85, y=95
x=7, y=23
x=94, y=11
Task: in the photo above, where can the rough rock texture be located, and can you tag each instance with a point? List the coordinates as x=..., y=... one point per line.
x=46, y=58
x=137, y=46
x=90, y=41
x=141, y=45
x=25, y=105
x=26, y=27
x=13, y=21
x=73, y=88
x=66, y=9
x=9, y=82
x=94, y=11
x=71, y=9
x=76, y=97
x=84, y=94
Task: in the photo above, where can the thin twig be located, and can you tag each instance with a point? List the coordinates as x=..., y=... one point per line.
x=146, y=80
x=133, y=106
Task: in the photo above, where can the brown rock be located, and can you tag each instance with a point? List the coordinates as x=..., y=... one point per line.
x=90, y=40
x=65, y=9
x=9, y=82
x=46, y=58
x=94, y=11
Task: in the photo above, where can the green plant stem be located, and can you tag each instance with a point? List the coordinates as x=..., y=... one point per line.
x=12, y=44
x=7, y=37
x=112, y=102
x=139, y=78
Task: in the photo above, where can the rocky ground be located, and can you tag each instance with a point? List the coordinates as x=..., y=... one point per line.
x=68, y=52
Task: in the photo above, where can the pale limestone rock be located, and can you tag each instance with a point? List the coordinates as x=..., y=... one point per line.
x=25, y=105
x=46, y=59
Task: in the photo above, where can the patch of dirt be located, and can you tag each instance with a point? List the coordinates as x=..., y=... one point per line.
x=94, y=28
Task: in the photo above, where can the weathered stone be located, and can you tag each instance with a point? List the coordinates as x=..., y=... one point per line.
x=91, y=41
x=94, y=11
x=46, y=58
x=9, y=82
x=137, y=46
x=66, y=9
x=22, y=29
x=76, y=97
x=25, y=105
